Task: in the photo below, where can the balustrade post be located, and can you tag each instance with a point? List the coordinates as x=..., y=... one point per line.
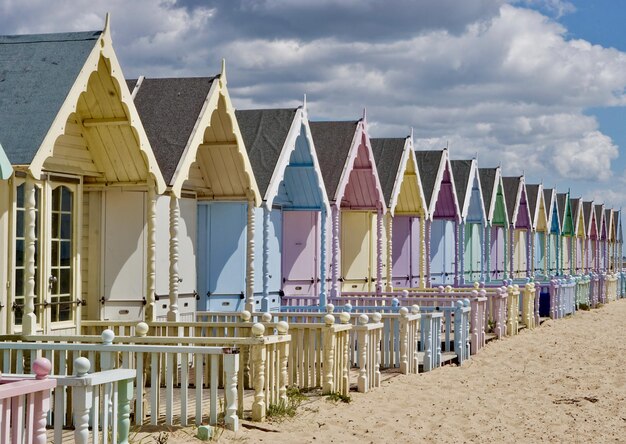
x=379, y=250
x=389, y=287
x=29, y=318
x=329, y=355
x=376, y=317
x=124, y=398
x=173, y=314
x=41, y=368
x=282, y=327
x=250, y=254
x=266, y=257
x=323, y=259
x=404, y=340
x=258, y=353
x=362, y=338
x=82, y=402
x=458, y=331
x=335, y=261
x=231, y=369
x=151, y=254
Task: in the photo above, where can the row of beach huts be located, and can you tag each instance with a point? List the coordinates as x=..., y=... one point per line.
x=171, y=260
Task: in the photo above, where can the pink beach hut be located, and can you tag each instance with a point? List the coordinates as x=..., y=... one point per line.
x=357, y=205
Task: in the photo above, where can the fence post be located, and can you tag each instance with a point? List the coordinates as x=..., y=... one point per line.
x=258, y=368
x=282, y=327
x=231, y=369
x=344, y=318
x=244, y=361
x=376, y=317
x=458, y=331
x=404, y=340
x=124, y=398
x=362, y=382
x=41, y=368
x=466, y=317
x=82, y=400
x=328, y=384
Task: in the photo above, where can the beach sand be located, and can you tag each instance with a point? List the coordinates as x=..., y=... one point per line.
x=563, y=382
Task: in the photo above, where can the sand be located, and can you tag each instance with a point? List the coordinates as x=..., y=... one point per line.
x=563, y=382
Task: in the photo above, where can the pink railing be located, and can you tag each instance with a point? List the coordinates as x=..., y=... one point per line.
x=24, y=406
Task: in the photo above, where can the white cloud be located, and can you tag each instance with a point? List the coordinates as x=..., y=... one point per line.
x=490, y=77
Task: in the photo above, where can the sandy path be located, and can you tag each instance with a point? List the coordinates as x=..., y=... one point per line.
x=564, y=382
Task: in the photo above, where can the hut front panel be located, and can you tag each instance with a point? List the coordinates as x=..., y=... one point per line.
x=5, y=249
x=124, y=257
x=401, y=251
x=540, y=252
x=579, y=254
x=416, y=252
x=566, y=251
x=274, y=248
x=497, y=251
x=187, y=230
x=357, y=241
x=555, y=252
x=520, y=245
x=221, y=260
x=442, y=252
x=300, y=255
x=472, y=251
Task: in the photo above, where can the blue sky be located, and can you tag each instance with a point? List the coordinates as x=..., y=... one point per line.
x=534, y=85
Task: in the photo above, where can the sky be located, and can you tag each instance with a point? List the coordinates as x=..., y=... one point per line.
x=536, y=86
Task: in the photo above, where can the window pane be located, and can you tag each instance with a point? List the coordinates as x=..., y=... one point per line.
x=20, y=196
x=19, y=282
x=66, y=253
x=65, y=280
x=55, y=252
x=56, y=200
x=55, y=285
x=66, y=199
x=19, y=223
x=55, y=225
x=19, y=253
x=66, y=226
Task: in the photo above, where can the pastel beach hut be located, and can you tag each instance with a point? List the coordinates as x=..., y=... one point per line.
x=520, y=227
x=357, y=206
x=497, y=224
x=554, y=232
x=204, y=220
x=591, y=237
x=473, y=220
x=290, y=251
x=580, y=235
x=610, y=239
x=602, y=238
x=75, y=210
x=567, y=232
x=539, y=218
x=442, y=227
x=620, y=243
x=406, y=212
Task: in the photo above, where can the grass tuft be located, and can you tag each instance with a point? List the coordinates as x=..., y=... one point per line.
x=338, y=397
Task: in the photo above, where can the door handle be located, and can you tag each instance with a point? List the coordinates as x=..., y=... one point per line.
x=51, y=281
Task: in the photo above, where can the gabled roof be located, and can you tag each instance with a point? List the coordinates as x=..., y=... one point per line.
x=264, y=133
x=333, y=141
x=51, y=82
x=169, y=109
x=388, y=155
x=565, y=213
x=429, y=164
x=549, y=196
x=465, y=173
x=490, y=179
x=577, y=215
x=535, y=195
x=589, y=215
x=608, y=216
x=599, y=209
x=514, y=187
x=432, y=167
x=394, y=158
x=271, y=137
x=338, y=145
x=37, y=72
